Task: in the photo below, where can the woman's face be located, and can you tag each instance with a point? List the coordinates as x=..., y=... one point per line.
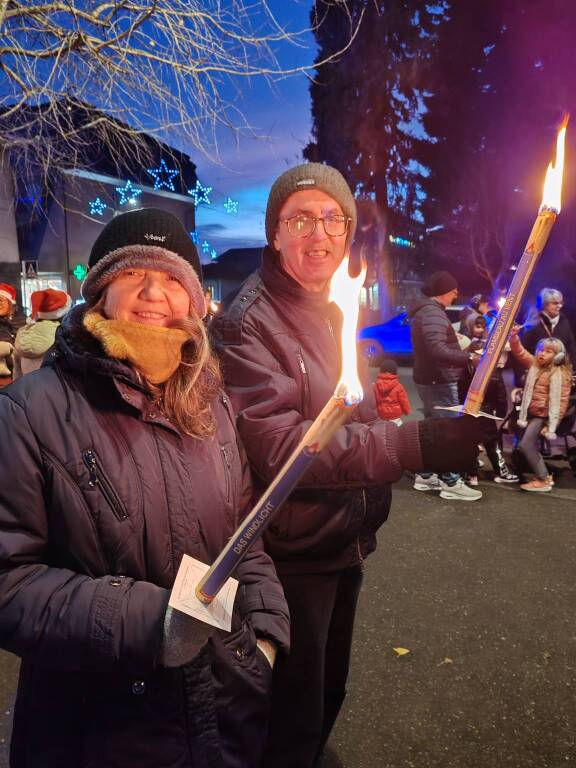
x=545, y=356
x=5, y=307
x=554, y=307
x=146, y=296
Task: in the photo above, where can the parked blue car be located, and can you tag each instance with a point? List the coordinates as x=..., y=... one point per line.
x=392, y=338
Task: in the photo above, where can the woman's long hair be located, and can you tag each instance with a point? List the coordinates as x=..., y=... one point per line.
x=187, y=396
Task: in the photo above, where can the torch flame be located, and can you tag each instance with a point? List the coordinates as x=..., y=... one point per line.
x=552, y=195
x=345, y=292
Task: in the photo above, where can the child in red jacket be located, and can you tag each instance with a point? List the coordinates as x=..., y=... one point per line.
x=391, y=398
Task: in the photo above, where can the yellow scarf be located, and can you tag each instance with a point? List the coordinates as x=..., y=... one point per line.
x=154, y=350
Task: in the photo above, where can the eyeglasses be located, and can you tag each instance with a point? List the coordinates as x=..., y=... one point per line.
x=304, y=226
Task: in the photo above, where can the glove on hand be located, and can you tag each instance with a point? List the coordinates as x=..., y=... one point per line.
x=184, y=637
x=451, y=445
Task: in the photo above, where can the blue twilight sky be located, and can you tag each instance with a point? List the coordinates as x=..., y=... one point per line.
x=281, y=116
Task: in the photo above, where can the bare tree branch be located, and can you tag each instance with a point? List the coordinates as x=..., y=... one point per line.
x=160, y=67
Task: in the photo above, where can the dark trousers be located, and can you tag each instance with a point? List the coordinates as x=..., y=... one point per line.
x=310, y=684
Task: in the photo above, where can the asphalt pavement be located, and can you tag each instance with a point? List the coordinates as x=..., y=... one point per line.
x=465, y=645
x=481, y=596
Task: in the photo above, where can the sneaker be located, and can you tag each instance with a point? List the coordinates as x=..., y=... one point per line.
x=506, y=477
x=472, y=480
x=551, y=479
x=431, y=483
x=459, y=491
x=537, y=486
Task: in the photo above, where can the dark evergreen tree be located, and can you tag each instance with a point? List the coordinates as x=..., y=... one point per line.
x=367, y=108
x=501, y=80
x=443, y=118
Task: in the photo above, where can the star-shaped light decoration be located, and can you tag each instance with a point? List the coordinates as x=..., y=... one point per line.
x=194, y=237
x=205, y=247
x=129, y=193
x=163, y=176
x=213, y=253
x=97, y=207
x=200, y=194
x=231, y=206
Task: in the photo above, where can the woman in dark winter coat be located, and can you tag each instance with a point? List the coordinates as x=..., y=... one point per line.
x=122, y=457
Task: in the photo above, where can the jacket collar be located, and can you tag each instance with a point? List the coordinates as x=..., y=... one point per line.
x=77, y=350
x=280, y=283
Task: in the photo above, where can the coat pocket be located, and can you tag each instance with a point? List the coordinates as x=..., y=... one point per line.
x=99, y=480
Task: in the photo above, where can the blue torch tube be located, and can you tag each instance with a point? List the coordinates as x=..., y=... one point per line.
x=332, y=416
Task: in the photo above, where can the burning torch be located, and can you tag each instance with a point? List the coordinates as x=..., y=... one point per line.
x=547, y=215
x=345, y=292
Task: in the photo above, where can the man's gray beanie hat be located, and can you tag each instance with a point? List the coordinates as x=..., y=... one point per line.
x=310, y=176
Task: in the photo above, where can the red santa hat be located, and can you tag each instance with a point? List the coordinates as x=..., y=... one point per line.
x=50, y=304
x=8, y=292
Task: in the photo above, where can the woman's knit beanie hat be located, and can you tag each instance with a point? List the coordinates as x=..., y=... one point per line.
x=148, y=238
x=310, y=176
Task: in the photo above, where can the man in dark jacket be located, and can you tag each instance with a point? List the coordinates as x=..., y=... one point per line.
x=279, y=343
x=438, y=364
x=550, y=323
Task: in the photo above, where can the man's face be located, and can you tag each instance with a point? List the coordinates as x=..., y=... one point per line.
x=448, y=298
x=553, y=308
x=311, y=260
x=5, y=307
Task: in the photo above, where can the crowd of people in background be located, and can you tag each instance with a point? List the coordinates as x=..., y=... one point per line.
x=445, y=359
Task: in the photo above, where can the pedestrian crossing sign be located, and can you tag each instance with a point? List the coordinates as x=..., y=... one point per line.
x=30, y=270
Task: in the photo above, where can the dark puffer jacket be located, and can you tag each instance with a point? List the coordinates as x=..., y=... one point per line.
x=100, y=496
x=438, y=358
x=542, y=329
x=281, y=364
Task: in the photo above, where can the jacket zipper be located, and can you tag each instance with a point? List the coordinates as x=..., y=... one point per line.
x=227, y=468
x=80, y=496
x=99, y=479
x=305, y=381
x=335, y=340
x=360, y=555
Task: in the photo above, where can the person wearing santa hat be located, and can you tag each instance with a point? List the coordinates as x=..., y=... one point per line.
x=7, y=332
x=36, y=338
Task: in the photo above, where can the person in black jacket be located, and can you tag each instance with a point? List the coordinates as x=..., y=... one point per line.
x=123, y=456
x=280, y=348
x=550, y=324
x=438, y=364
